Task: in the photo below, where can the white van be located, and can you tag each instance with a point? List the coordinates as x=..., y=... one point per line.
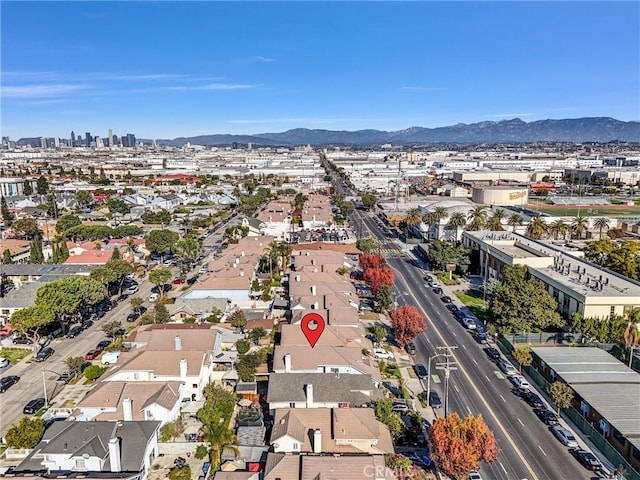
x=109, y=358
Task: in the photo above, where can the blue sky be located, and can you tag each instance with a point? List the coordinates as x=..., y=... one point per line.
x=168, y=69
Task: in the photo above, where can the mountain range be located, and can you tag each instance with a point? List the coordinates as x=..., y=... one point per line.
x=588, y=129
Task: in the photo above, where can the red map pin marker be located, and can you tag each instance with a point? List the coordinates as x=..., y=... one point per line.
x=312, y=327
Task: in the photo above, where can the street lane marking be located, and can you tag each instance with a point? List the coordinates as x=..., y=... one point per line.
x=465, y=347
x=469, y=410
x=521, y=422
x=487, y=378
x=498, y=374
x=505, y=470
x=503, y=399
x=455, y=387
x=542, y=450
x=462, y=370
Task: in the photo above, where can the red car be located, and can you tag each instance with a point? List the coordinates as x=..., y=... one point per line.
x=92, y=354
x=178, y=281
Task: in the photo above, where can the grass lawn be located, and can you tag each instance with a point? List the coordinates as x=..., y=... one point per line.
x=13, y=354
x=474, y=301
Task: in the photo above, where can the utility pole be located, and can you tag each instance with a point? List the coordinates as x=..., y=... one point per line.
x=447, y=366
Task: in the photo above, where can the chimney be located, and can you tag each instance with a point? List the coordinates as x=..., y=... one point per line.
x=287, y=362
x=242, y=253
x=183, y=367
x=313, y=290
x=127, y=408
x=317, y=441
x=297, y=278
x=309, y=395
x=177, y=343
x=242, y=273
x=115, y=459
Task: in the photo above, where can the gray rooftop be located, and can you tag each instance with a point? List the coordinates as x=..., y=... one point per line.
x=77, y=438
x=37, y=270
x=327, y=387
x=609, y=386
x=22, y=297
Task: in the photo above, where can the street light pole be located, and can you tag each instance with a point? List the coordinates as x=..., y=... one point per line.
x=44, y=385
x=447, y=366
x=429, y=370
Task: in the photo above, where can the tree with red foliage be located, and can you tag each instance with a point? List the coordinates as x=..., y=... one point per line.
x=459, y=444
x=376, y=277
x=371, y=260
x=407, y=323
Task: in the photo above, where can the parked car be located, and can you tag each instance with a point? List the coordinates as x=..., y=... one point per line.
x=400, y=407
x=45, y=353
x=131, y=289
x=21, y=341
x=382, y=353
x=179, y=281
x=33, y=406
x=410, y=348
x=565, y=436
x=532, y=399
x=434, y=399
x=492, y=353
x=65, y=377
x=103, y=344
x=4, y=362
x=86, y=324
x=437, y=291
x=519, y=382
x=74, y=331
x=421, y=371
x=153, y=297
x=6, y=382
x=452, y=307
x=587, y=459
x=446, y=299
x=132, y=317
x=474, y=475
x=547, y=416
x=506, y=367
x=92, y=354
x=480, y=337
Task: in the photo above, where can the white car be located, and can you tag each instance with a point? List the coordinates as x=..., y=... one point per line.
x=153, y=297
x=519, y=381
x=565, y=436
x=507, y=367
x=469, y=323
x=4, y=362
x=474, y=475
x=382, y=353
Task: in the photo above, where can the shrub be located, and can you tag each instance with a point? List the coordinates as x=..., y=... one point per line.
x=93, y=372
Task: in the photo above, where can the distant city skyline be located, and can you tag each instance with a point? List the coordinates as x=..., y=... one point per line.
x=166, y=70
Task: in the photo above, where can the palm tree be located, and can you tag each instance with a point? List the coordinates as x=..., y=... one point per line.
x=500, y=214
x=440, y=213
x=412, y=219
x=579, y=225
x=429, y=219
x=557, y=228
x=131, y=247
x=495, y=224
x=515, y=220
x=457, y=220
x=632, y=333
x=477, y=219
x=536, y=228
x=601, y=223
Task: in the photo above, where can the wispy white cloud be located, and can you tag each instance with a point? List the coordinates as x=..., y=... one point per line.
x=210, y=86
x=40, y=91
x=257, y=59
x=503, y=115
x=149, y=76
x=422, y=89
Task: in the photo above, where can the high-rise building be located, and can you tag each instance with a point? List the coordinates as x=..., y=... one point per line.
x=99, y=143
x=73, y=139
x=56, y=142
x=131, y=140
x=87, y=140
x=43, y=142
x=110, y=138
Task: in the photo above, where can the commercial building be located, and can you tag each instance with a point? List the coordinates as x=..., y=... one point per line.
x=577, y=285
x=500, y=195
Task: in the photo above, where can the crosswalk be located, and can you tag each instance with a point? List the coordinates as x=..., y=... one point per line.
x=387, y=249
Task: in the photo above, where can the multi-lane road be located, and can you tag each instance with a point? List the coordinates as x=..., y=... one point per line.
x=529, y=450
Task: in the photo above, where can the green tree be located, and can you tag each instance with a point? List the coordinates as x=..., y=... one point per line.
x=243, y=346
x=75, y=364
x=579, y=225
x=558, y=228
x=515, y=220
x=383, y=410
x=7, y=216
x=441, y=254
x=116, y=205
x=477, y=219
x=256, y=334
x=457, y=220
x=601, y=223
x=632, y=332
x=379, y=334
x=159, y=277
x=161, y=241
x=523, y=356
x=68, y=296
x=368, y=200
x=120, y=269
x=66, y=222
x=536, y=228
x=84, y=198
x=161, y=313
x=188, y=250
x=171, y=430
x=180, y=473
x=216, y=415
x=201, y=452
x=42, y=186
x=523, y=305
x=247, y=364
x=27, y=189
x=237, y=319
x=135, y=302
x=6, y=257
x=561, y=394
x=35, y=250
x=384, y=297
x=27, y=321
x=365, y=244
x=26, y=433
x=413, y=219
x=112, y=329
x=26, y=227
